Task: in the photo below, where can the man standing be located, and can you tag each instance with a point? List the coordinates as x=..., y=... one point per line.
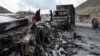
x=51, y=15
x=38, y=17
x=95, y=23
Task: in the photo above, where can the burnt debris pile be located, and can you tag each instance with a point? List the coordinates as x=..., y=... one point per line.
x=54, y=42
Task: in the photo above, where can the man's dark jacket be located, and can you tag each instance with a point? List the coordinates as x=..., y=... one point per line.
x=38, y=18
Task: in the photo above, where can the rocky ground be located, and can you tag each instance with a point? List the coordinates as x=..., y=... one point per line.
x=90, y=41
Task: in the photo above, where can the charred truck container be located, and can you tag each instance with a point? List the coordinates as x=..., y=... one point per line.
x=65, y=15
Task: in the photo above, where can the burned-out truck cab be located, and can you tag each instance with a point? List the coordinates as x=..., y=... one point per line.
x=64, y=16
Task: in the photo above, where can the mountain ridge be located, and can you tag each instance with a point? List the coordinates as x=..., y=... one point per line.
x=89, y=7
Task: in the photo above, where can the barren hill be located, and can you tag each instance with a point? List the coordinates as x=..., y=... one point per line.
x=89, y=7
x=3, y=10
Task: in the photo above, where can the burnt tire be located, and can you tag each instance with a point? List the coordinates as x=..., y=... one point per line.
x=44, y=37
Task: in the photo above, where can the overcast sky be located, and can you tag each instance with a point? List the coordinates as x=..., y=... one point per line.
x=44, y=5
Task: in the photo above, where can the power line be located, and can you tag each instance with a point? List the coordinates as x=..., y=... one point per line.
x=6, y=5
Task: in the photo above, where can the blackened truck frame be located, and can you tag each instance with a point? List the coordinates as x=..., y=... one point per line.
x=65, y=12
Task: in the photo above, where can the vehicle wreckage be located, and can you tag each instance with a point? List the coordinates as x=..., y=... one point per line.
x=22, y=38
x=19, y=37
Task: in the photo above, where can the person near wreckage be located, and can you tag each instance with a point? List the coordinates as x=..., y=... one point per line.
x=95, y=23
x=51, y=15
x=37, y=16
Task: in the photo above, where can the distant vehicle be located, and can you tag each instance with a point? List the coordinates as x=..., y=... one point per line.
x=64, y=16
x=7, y=22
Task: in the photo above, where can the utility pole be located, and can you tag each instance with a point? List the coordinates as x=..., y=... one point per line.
x=30, y=18
x=37, y=4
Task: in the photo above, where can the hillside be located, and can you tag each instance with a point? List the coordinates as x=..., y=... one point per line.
x=89, y=7
x=3, y=10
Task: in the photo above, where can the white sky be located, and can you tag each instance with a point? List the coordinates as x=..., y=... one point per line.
x=19, y=5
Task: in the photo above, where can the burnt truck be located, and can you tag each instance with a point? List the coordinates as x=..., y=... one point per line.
x=64, y=16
